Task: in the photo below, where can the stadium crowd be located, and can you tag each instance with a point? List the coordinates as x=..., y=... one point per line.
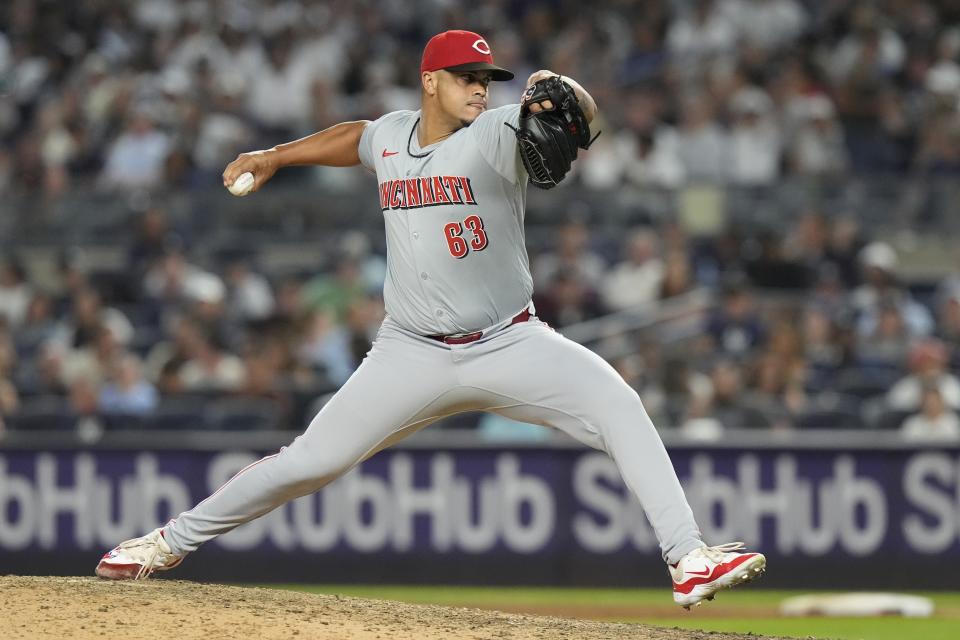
x=158, y=95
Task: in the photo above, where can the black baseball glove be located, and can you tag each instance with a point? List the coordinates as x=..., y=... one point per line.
x=549, y=139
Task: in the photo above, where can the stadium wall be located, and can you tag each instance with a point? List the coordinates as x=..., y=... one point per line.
x=868, y=513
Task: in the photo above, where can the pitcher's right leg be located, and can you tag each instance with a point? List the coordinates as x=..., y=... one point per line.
x=400, y=387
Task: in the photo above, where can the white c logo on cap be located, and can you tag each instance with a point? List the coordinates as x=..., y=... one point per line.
x=482, y=46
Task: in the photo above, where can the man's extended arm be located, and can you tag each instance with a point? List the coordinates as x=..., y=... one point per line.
x=338, y=146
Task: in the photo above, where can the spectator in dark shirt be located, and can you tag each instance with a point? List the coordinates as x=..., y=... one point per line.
x=735, y=327
x=566, y=300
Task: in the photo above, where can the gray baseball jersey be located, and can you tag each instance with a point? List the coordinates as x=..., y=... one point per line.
x=453, y=211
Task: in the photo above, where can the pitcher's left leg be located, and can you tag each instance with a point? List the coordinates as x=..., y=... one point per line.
x=546, y=379
x=538, y=376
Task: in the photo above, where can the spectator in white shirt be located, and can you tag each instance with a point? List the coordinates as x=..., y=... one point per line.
x=766, y=24
x=249, y=295
x=935, y=422
x=645, y=153
x=208, y=367
x=15, y=292
x=136, y=159
x=282, y=74
x=700, y=36
x=818, y=147
x=754, y=138
x=702, y=146
x=928, y=369
x=638, y=278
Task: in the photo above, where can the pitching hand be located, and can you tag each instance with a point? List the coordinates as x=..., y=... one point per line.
x=259, y=163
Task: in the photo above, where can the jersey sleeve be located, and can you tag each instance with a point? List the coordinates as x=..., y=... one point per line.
x=385, y=125
x=498, y=143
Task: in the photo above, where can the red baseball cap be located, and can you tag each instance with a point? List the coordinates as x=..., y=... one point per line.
x=458, y=50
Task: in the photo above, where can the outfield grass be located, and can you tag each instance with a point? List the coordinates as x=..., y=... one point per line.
x=745, y=610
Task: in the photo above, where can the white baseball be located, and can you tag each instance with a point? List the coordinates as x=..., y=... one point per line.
x=242, y=185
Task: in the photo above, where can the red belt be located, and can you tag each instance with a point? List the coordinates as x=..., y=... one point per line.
x=467, y=338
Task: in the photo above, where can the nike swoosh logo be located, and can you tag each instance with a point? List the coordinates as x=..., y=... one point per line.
x=387, y=154
x=702, y=574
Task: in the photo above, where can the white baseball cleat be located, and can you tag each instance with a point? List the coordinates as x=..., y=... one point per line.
x=704, y=571
x=136, y=559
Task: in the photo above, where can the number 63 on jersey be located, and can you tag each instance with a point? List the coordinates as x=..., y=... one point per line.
x=458, y=244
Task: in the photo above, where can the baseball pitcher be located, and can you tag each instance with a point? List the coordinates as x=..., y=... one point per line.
x=460, y=332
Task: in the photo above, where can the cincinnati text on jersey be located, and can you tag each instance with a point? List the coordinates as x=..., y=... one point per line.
x=427, y=191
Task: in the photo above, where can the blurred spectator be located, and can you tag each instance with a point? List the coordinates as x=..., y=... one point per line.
x=15, y=292
x=927, y=361
x=823, y=347
x=566, y=299
x=222, y=133
x=362, y=323
x=888, y=341
x=806, y=242
x=288, y=308
x=949, y=285
x=700, y=35
x=271, y=369
x=44, y=374
x=84, y=398
x=39, y=325
x=645, y=153
x=871, y=48
x=683, y=386
x=249, y=297
x=948, y=321
x=817, y=147
x=173, y=280
x=766, y=24
x=207, y=367
x=638, y=278
x=771, y=264
x=126, y=392
x=336, y=292
x=727, y=403
x=288, y=73
x=735, y=328
x=754, y=139
x=136, y=158
x=9, y=397
x=325, y=346
x=572, y=254
x=678, y=275
x=373, y=266
x=843, y=250
x=934, y=422
x=702, y=146
x=88, y=316
x=881, y=289
x=152, y=240
x=95, y=359
x=777, y=389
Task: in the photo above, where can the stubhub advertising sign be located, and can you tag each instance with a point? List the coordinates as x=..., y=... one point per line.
x=557, y=515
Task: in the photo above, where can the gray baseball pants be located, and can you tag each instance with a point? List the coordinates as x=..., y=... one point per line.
x=525, y=372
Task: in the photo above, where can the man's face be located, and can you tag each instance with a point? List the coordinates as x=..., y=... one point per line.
x=463, y=94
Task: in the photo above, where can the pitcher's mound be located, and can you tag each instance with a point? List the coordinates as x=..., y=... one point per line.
x=84, y=608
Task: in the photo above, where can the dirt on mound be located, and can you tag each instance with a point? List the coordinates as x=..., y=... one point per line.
x=84, y=608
